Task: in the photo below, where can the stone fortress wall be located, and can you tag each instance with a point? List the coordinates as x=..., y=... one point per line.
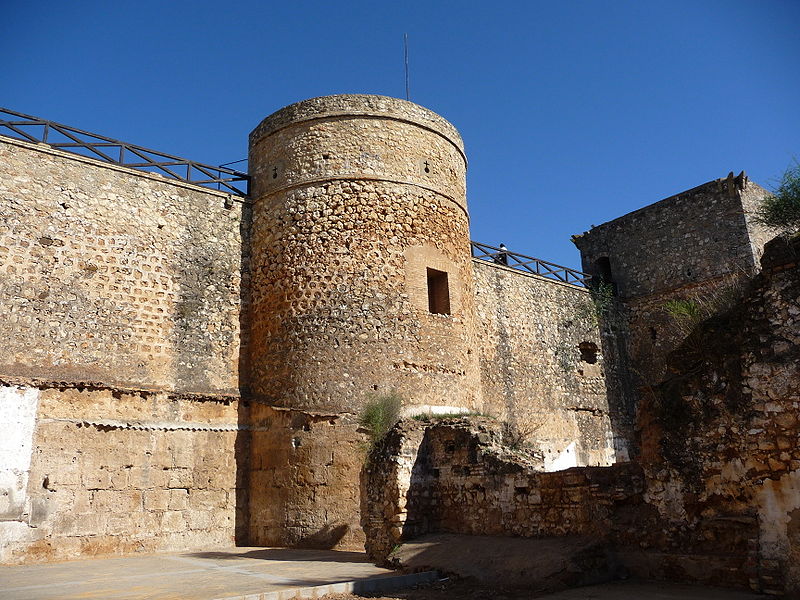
x=697, y=245
x=542, y=366
x=711, y=496
x=184, y=369
x=357, y=201
x=119, y=365
x=359, y=216
x=117, y=276
x=697, y=249
x=170, y=393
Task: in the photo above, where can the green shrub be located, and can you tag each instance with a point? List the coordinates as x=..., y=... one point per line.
x=781, y=209
x=679, y=308
x=686, y=313
x=600, y=309
x=380, y=414
x=602, y=295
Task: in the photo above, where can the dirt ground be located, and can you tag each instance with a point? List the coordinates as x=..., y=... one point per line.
x=466, y=589
x=448, y=589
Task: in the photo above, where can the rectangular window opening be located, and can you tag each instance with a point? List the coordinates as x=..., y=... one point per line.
x=438, y=292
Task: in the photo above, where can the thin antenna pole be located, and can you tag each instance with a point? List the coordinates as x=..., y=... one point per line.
x=405, y=47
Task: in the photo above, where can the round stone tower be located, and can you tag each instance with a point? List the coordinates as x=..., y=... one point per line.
x=361, y=287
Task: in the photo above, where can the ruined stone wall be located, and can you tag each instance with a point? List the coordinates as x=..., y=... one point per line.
x=456, y=476
x=655, y=327
x=694, y=236
x=542, y=366
x=120, y=294
x=695, y=246
x=714, y=496
x=106, y=472
x=116, y=276
x=720, y=438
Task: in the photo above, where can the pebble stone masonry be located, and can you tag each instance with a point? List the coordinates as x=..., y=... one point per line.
x=359, y=200
x=361, y=286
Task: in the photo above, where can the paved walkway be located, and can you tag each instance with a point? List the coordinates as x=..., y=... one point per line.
x=240, y=573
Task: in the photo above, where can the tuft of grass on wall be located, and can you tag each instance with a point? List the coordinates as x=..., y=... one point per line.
x=688, y=313
x=433, y=417
x=684, y=309
x=379, y=415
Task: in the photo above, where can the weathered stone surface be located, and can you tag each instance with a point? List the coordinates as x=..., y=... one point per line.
x=118, y=281
x=356, y=200
x=126, y=299
x=347, y=219
x=116, y=276
x=533, y=372
x=121, y=299
x=457, y=476
x=304, y=479
x=696, y=245
x=113, y=472
x=720, y=437
x=713, y=495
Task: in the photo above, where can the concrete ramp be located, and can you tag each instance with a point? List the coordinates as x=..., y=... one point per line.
x=536, y=564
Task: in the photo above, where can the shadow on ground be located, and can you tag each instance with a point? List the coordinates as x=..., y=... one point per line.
x=285, y=554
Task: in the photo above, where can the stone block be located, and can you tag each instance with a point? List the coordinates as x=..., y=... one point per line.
x=173, y=521
x=156, y=499
x=178, y=499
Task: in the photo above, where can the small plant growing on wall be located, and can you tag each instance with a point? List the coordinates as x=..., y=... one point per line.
x=379, y=415
x=687, y=313
x=517, y=436
x=602, y=295
x=600, y=309
x=781, y=209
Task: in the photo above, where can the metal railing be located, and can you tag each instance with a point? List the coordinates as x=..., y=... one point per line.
x=33, y=129
x=529, y=264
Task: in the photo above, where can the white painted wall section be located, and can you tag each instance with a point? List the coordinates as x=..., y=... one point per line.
x=17, y=423
x=566, y=459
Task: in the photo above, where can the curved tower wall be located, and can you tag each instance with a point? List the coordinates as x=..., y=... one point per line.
x=356, y=197
x=361, y=286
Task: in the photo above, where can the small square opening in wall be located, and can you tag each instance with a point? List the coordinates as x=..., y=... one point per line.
x=588, y=352
x=438, y=292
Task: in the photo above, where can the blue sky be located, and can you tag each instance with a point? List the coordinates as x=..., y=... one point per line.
x=573, y=113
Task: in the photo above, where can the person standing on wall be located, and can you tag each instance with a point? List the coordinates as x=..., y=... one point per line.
x=501, y=258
